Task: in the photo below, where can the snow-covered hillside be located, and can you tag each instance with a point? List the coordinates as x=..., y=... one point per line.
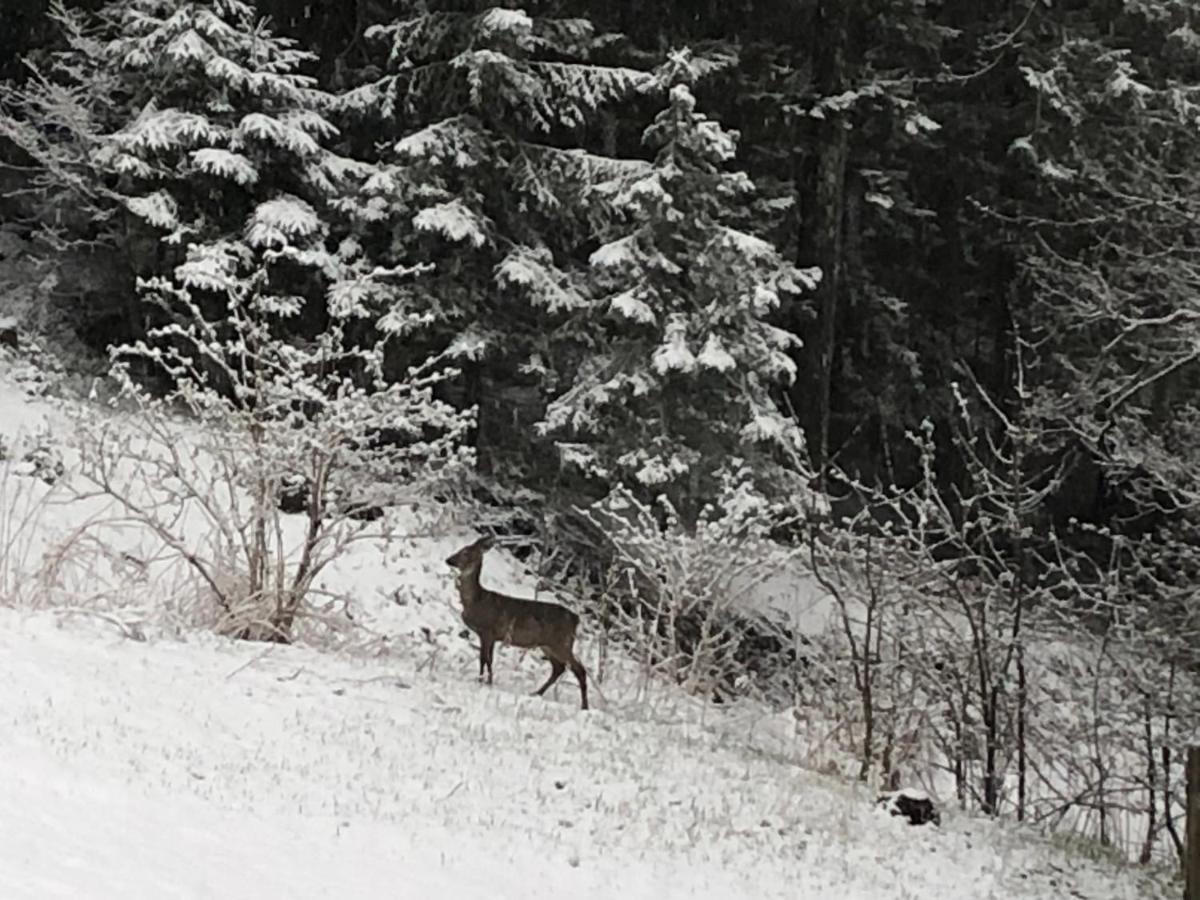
x=211, y=769
x=197, y=767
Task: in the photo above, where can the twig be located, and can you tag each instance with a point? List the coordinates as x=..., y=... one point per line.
x=248, y=663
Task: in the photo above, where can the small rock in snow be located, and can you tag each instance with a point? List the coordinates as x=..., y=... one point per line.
x=915, y=805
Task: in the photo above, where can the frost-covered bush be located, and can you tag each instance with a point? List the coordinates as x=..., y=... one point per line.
x=678, y=594
x=204, y=465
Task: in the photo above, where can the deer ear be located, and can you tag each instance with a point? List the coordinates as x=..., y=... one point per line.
x=486, y=543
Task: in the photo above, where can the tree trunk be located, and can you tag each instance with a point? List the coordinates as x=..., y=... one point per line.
x=1192, y=860
x=1022, y=750
x=991, y=775
x=825, y=217
x=1151, y=785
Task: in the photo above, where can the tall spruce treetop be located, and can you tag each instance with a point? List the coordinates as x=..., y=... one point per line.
x=681, y=380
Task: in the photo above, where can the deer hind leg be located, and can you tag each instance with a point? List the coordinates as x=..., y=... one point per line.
x=580, y=674
x=557, y=667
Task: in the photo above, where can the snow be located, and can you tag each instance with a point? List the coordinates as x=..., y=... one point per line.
x=191, y=766
x=533, y=270
x=751, y=248
x=1186, y=36
x=282, y=134
x=454, y=221
x=715, y=356
x=190, y=47
x=1121, y=82
x=921, y=123
x=621, y=253
x=280, y=219
x=158, y=209
x=158, y=130
x=629, y=303
x=673, y=353
x=505, y=21
x=209, y=267
x=213, y=769
x=1058, y=172
x=225, y=164
x=451, y=142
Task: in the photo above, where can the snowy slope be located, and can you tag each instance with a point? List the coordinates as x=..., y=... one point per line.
x=210, y=769
x=198, y=767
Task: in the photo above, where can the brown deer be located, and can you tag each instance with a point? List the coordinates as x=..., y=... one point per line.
x=518, y=623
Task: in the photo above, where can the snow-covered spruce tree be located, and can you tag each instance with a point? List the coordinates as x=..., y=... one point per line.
x=679, y=376
x=498, y=126
x=181, y=119
x=224, y=117
x=262, y=411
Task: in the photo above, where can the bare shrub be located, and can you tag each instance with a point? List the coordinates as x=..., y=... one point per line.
x=246, y=415
x=678, y=597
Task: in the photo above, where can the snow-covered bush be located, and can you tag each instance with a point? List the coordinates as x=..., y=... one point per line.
x=677, y=593
x=863, y=688
x=248, y=412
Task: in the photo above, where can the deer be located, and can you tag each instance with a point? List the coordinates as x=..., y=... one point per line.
x=518, y=623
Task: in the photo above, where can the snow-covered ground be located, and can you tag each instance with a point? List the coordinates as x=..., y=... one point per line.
x=197, y=767
x=211, y=769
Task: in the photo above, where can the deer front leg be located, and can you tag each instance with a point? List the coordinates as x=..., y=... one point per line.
x=487, y=649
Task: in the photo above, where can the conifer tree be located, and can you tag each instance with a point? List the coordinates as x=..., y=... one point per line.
x=681, y=375
x=496, y=124
x=179, y=119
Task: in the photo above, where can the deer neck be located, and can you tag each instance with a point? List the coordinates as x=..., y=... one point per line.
x=469, y=588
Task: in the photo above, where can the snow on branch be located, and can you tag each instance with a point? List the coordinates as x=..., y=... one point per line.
x=534, y=272
x=632, y=306
x=282, y=134
x=673, y=354
x=276, y=222
x=159, y=209
x=512, y=23
x=455, y=142
x=454, y=221
x=225, y=164
x=167, y=129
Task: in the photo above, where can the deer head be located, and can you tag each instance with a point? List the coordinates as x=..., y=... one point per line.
x=471, y=555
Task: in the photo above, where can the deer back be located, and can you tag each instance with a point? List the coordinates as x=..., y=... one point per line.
x=521, y=623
